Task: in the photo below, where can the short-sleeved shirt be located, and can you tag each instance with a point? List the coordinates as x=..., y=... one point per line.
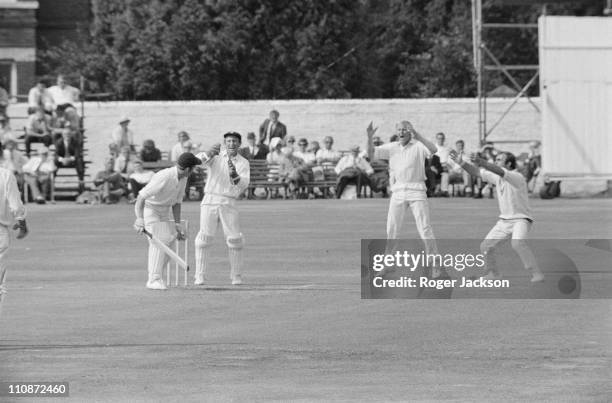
x=165, y=189
x=11, y=206
x=406, y=165
x=511, y=194
x=219, y=189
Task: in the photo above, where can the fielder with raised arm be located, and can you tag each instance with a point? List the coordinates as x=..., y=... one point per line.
x=407, y=179
x=515, y=218
x=228, y=176
x=164, y=193
x=11, y=211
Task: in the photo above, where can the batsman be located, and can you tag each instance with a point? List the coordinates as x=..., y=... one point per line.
x=161, y=196
x=228, y=177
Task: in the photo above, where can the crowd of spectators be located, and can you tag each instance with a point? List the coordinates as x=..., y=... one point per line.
x=53, y=121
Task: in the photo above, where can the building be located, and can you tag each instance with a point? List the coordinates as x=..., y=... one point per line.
x=29, y=26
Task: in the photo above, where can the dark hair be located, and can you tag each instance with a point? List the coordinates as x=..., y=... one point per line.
x=510, y=158
x=460, y=141
x=440, y=133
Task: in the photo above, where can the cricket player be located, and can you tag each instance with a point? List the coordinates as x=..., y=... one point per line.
x=407, y=158
x=163, y=194
x=228, y=176
x=11, y=211
x=515, y=219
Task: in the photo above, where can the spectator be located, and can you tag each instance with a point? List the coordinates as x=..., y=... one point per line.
x=5, y=129
x=254, y=151
x=533, y=164
x=109, y=183
x=121, y=137
x=39, y=98
x=63, y=95
x=292, y=171
x=123, y=165
x=275, y=156
x=352, y=168
x=38, y=130
x=303, y=153
x=291, y=143
x=69, y=120
x=442, y=167
x=178, y=148
x=14, y=160
x=38, y=172
x=456, y=173
x=272, y=128
x=314, y=147
x=327, y=154
x=68, y=154
x=137, y=180
x=149, y=152
x=488, y=153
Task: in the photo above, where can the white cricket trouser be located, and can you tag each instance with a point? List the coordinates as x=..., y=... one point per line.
x=4, y=245
x=210, y=217
x=420, y=211
x=158, y=222
x=518, y=229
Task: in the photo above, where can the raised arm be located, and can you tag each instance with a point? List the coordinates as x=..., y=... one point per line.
x=486, y=165
x=428, y=144
x=371, y=130
x=469, y=168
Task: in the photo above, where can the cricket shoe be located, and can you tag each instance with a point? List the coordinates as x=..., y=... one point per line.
x=537, y=276
x=198, y=280
x=237, y=280
x=156, y=285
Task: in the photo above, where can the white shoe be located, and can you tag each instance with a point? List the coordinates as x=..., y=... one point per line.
x=537, y=276
x=199, y=280
x=237, y=280
x=156, y=285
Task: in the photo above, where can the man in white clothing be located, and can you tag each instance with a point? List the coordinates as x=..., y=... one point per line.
x=11, y=211
x=515, y=218
x=63, y=95
x=228, y=176
x=164, y=193
x=407, y=158
x=353, y=168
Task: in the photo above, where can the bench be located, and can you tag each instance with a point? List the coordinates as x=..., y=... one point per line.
x=264, y=176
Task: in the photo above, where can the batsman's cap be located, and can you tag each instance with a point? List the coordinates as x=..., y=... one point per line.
x=233, y=134
x=124, y=119
x=274, y=142
x=188, y=160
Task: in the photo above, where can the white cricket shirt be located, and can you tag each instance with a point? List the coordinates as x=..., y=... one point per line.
x=11, y=208
x=164, y=190
x=219, y=189
x=406, y=166
x=511, y=193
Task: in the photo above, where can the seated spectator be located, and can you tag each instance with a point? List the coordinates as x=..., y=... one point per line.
x=456, y=174
x=533, y=164
x=352, y=168
x=254, y=151
x=5, y=129
x=70, y=121
x=443, y=154
x=314, y=147
x=123, y=165
x=4, y=98
x=292, y=171
x=303, y=153
x=178, y=148
x=38, y=173
x=39, y=98
x=68, y=155
x=109, y=183
x=121, y=137
x=327, y=154
x=63, y=95
x=275, y=156
x=149, y=153
x=38, y=130
x=290, y=143
x=137, y=180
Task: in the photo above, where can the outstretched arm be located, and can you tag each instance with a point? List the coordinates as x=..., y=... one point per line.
x=486, y=165
x=466, y=166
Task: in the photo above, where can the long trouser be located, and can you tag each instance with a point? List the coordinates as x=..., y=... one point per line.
x=158, y=222
x=420, y=211
x=518, y=229
x=4, y=245
x=210, y=217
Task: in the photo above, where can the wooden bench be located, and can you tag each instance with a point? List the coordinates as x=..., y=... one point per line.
x=329, y=181
x=264, y=176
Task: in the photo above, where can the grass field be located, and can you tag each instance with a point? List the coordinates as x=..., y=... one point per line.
x=77, y=311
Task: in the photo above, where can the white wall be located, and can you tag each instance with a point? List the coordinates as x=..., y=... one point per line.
x=345, y=120
x=576, y=88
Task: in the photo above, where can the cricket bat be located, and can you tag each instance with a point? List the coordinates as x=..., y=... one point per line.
x=166, y=249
